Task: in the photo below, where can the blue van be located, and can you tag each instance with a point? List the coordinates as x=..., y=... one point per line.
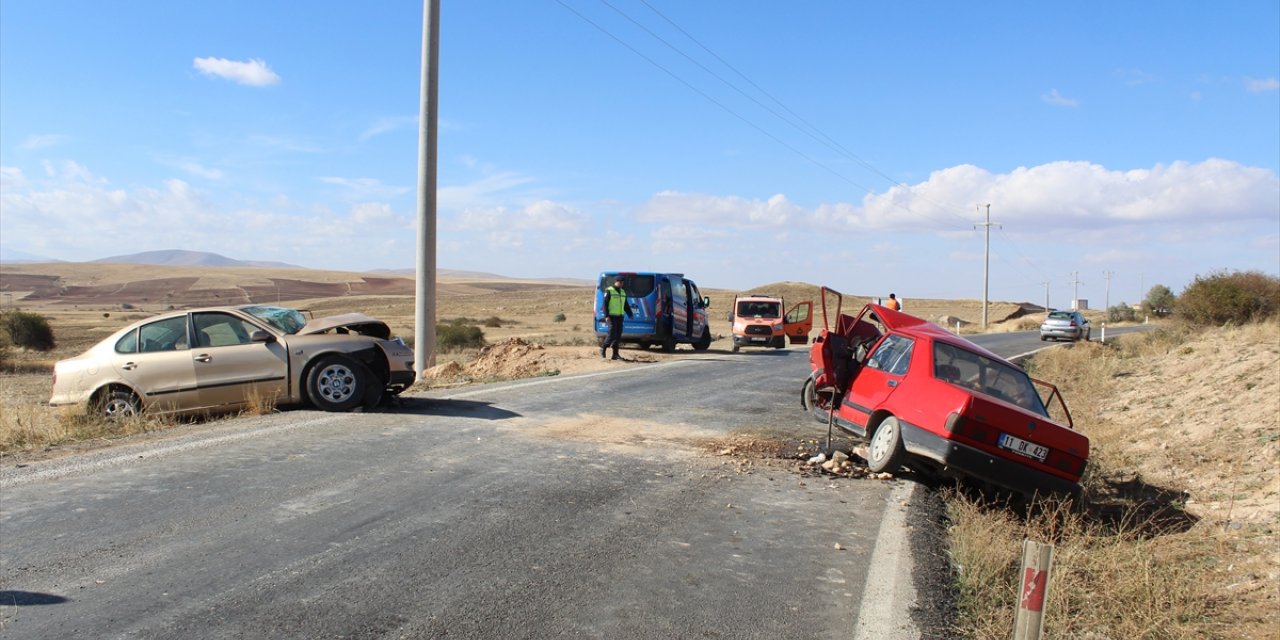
x=666, y=309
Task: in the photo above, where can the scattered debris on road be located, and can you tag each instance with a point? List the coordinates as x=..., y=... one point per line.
x=846, y=461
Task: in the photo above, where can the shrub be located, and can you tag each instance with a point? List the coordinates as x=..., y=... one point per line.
x=458, y=335
x=28, y=330
x=5, y=347
x=1122, y=312
x=559, y=318
x=493, y=322
x=1223, y=298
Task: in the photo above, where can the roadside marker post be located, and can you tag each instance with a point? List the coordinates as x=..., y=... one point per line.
x=1037, y=558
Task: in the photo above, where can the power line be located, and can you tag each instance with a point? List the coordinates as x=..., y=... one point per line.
x=742, y=118
x=831, y=143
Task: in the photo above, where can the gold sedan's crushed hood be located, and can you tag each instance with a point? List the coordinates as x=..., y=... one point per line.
x=348, y=323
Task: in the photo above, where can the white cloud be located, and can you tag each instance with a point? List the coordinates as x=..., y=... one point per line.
x=366, y=188
x=254, y=73
x=730, y=211
x=683, y=237
x=194, y=168
x=548, y=215
x=36, y=142
x=387, y=125
x=483, y=192
x=371, y=213
x=1134, y=77
x=1059, y=100
x=1070, y=196
x=1254, y=85
x=12, y=178
x=287, y=144
x=540, y=216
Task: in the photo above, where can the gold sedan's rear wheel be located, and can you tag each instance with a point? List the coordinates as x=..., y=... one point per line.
x=118, y=405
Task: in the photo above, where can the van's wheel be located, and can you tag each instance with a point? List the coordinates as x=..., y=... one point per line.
x=735, y=348
x=643, y=344
x=704, y=342
x=118, y=405
x=337, y=383
x=885, y=452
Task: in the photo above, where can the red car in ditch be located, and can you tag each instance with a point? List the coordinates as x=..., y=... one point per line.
x=925, y=398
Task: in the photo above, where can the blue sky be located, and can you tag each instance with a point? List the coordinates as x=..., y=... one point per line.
x=742, y=143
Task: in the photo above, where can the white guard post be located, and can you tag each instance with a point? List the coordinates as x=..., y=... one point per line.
x=1037, y=558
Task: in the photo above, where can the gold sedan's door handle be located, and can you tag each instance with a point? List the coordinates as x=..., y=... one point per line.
x=204, y=357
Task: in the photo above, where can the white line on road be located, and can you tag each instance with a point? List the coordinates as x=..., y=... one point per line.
x=885, y=612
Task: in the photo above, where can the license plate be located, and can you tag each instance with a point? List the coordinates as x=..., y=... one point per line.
x=1023, y=448
x=759, y=339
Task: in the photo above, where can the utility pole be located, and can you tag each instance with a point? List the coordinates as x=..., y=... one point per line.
x=424, y=319
x=1046, y=296
x=1107, y=300
x=1075, y=294
x=986, y=262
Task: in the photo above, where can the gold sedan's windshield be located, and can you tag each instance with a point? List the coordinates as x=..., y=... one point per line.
x=290, y=321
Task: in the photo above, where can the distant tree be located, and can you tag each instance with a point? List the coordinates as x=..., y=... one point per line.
x=1160, y=301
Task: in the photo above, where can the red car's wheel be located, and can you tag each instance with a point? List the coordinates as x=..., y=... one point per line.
x=885, y=451
x=814, y=399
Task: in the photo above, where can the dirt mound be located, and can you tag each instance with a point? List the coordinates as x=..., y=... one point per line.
x=449, y=373
x=506, y=360
x=511, y=358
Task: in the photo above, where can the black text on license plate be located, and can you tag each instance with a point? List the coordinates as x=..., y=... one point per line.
x=1023, y=448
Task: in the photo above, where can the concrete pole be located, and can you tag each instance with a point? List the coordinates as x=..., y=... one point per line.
x=986, y=265
x=424, y=320
x=1106, y=301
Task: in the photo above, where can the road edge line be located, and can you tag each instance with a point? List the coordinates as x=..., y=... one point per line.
x=889, y=593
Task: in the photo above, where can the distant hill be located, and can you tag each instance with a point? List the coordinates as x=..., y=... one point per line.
x=13, y=255
x=181, y=258
x=458, y=275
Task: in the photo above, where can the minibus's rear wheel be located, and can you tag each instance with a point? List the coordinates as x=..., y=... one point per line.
x=704, y=342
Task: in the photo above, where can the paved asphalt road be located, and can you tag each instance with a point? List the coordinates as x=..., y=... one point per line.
x=591, y=506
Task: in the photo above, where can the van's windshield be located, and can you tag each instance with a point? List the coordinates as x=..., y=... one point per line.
x=755, y=309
